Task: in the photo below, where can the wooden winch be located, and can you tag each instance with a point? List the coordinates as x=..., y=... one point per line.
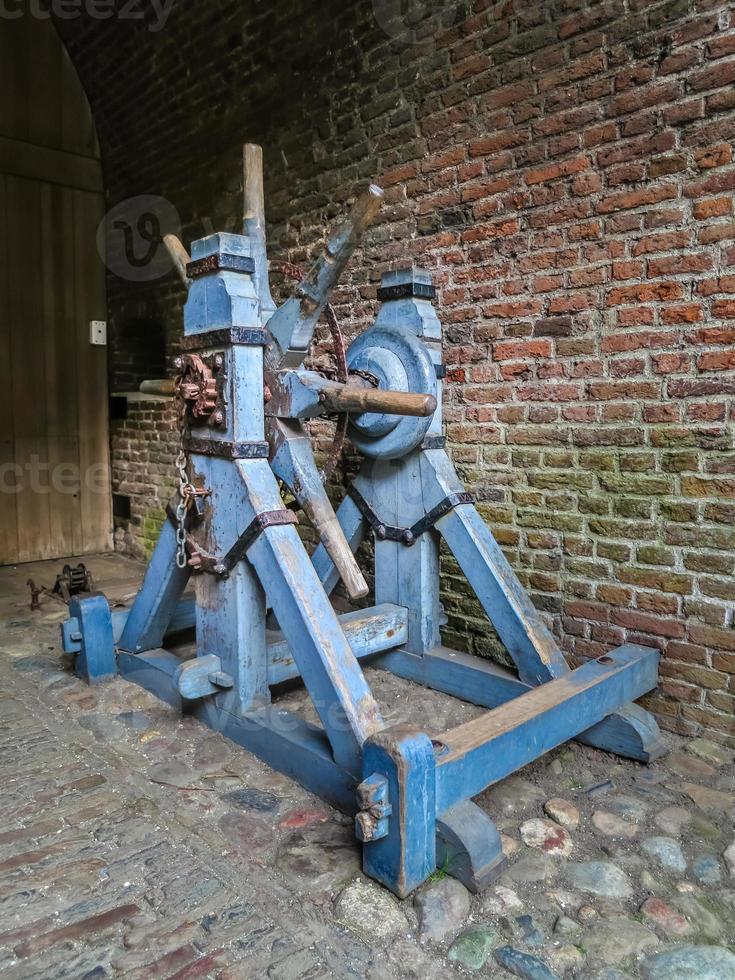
x=248, y=397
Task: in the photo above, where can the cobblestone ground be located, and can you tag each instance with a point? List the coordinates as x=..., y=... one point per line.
x=136, y=843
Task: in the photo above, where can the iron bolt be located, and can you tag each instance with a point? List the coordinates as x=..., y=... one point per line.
x=365, y=825
x=380, y=531
x=218, y=360
x=218, y=418
x=179, y=363
x=408, y=537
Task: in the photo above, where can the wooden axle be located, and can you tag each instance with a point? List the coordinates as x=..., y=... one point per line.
x=357, y=398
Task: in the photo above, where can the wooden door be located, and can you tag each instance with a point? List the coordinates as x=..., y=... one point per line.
x=54, y=454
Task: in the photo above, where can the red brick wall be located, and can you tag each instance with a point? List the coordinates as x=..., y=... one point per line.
x=565, y=168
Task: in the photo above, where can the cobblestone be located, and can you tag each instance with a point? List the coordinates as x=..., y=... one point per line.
x=137, y=844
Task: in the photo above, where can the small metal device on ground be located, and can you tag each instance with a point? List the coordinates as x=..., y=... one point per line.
x=247, y=396
x=70, y=581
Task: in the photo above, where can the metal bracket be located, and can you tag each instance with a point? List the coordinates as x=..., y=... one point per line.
x=434, y=442
x=220, y=262
x=227, y=337
x=227, y=450
x=202, y=561
x=407, y=535
x=407, y=290
x=371, y=821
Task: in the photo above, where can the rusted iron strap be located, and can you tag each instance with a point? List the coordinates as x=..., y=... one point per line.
x=227, y=450
x=269, y=518
x=242, y=336
x=407, y=290
x=202, y=561
x=220, y=262
x=434, y=442
x=407, y=535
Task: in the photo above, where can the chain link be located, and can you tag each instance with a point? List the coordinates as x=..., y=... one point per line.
x=187, y=491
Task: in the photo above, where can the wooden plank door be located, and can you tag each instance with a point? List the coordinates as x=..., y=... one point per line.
x=55, y=496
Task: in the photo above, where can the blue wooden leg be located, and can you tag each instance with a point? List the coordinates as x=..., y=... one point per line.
x=406, y=856
x=157, y=601
x=230, y=611
x=332, y=675
x=406, y=576
x=507, y=604
x=94, y=641
x=468, y=846
x=631, y=732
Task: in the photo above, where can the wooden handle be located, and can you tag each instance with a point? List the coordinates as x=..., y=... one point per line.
x=179, y=256
x=159, y=386
x=352, y=398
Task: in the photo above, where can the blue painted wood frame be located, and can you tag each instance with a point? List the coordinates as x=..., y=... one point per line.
x=496, y=744
x=406, y=856
x=163, y=585
x=95, y=660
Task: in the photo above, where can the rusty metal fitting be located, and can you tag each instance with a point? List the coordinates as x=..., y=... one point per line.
x=371, y=821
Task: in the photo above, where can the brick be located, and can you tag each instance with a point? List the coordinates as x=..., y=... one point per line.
x=544, y=164
x=89, y=928
x=635, y=620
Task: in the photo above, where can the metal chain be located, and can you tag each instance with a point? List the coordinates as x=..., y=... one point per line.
x=187, y=491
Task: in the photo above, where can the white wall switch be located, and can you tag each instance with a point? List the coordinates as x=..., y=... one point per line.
x=98, y=333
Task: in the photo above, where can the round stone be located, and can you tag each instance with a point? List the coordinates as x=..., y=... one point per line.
x=729, y=857
x=615, y=939
x=472, y=948
x=628, y=807
x=710, y=751
x=673, y=819
x=707, y=869
x=600, y=878
x=522, y=964
x=563, y=812
x=442, y=907
x=662, y=915
x=564, y=926
x=612, y=826
x=370, y=911
x=546, y=836
x=666, y=851
x=565, y=958
x=702, y=962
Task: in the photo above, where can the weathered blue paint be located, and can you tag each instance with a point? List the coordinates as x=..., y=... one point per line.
x=95, y=659
x=406, y=856
x=149, y=619
x=468, y=846
x=462, y=675
x=491, y=747
x=630, y=732
x=368, y=631
x=412, y=794
x=154, y=671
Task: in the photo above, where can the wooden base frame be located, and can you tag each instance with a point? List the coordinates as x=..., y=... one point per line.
x=411, y=792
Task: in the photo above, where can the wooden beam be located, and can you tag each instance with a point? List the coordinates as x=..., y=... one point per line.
x=368, y=631
x=488, y=749
x=51, y=166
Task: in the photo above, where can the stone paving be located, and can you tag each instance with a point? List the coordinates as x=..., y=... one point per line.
x=136, y=843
